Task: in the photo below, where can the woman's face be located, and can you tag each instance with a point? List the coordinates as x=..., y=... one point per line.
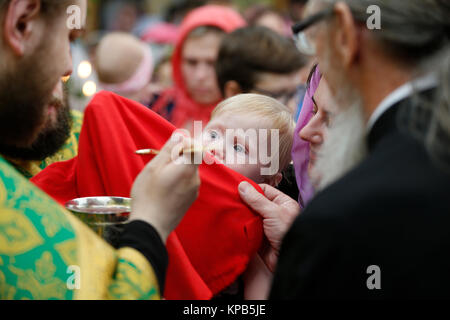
x=315, y=131
x=199, y=56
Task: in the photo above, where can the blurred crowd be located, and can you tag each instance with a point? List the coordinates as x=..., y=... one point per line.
x=127, y=25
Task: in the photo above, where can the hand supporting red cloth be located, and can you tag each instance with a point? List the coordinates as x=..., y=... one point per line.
x=218, y=235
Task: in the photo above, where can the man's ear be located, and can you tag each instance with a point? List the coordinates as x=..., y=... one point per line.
x=346, y=40
x=232, y=88
x=20, y=17
x=274, y=180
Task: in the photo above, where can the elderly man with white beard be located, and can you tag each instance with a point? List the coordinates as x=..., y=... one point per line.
x=378, y=227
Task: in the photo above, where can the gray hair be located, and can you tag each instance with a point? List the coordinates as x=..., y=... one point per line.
x=416, y=33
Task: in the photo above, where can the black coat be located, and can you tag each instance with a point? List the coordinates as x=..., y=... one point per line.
x=392, y=211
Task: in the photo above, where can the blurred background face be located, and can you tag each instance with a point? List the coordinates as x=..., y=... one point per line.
x=126, y=18
x=274, y=22
x=316, y=130
x=198, y=59
x=282, y=87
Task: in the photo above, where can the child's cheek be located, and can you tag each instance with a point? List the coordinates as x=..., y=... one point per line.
x=254, y=173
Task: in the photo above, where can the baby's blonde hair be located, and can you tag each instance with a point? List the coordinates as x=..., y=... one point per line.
x=276, y=114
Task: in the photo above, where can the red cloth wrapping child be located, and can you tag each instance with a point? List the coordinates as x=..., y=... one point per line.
x=218, y=235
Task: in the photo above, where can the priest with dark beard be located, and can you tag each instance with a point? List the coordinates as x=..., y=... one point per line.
x=41, y=242
x=57, y=141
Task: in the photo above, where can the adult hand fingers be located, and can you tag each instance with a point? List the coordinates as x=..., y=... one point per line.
x=279, y=198
x=257, y=201
x=165, y=156
x=272, y=193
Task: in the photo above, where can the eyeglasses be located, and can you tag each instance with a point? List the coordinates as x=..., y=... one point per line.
x=284, y=97
x=303, y=44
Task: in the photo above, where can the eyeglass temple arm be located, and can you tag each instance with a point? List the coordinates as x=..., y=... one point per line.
x=300, y=26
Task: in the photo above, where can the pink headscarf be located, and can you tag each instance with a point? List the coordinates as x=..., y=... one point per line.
x=163, y=33
x=300, y=148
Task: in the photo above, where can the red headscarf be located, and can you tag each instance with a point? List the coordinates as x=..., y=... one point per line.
x=186, y=109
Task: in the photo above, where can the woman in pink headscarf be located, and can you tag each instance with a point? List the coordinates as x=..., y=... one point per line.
x=309, y=135
x=301, y=148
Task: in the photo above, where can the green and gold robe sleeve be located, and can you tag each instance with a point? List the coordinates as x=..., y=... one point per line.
x=42, y=246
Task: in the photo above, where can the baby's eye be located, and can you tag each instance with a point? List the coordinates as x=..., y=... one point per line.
x=213, y=135
x=239, y=148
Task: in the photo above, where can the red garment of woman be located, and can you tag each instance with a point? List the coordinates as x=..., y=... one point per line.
x=186, y=109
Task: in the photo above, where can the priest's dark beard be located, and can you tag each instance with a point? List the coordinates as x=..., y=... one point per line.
x=49, y=140
x=25, y=91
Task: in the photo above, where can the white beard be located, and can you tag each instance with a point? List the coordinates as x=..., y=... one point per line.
x=344, y=146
